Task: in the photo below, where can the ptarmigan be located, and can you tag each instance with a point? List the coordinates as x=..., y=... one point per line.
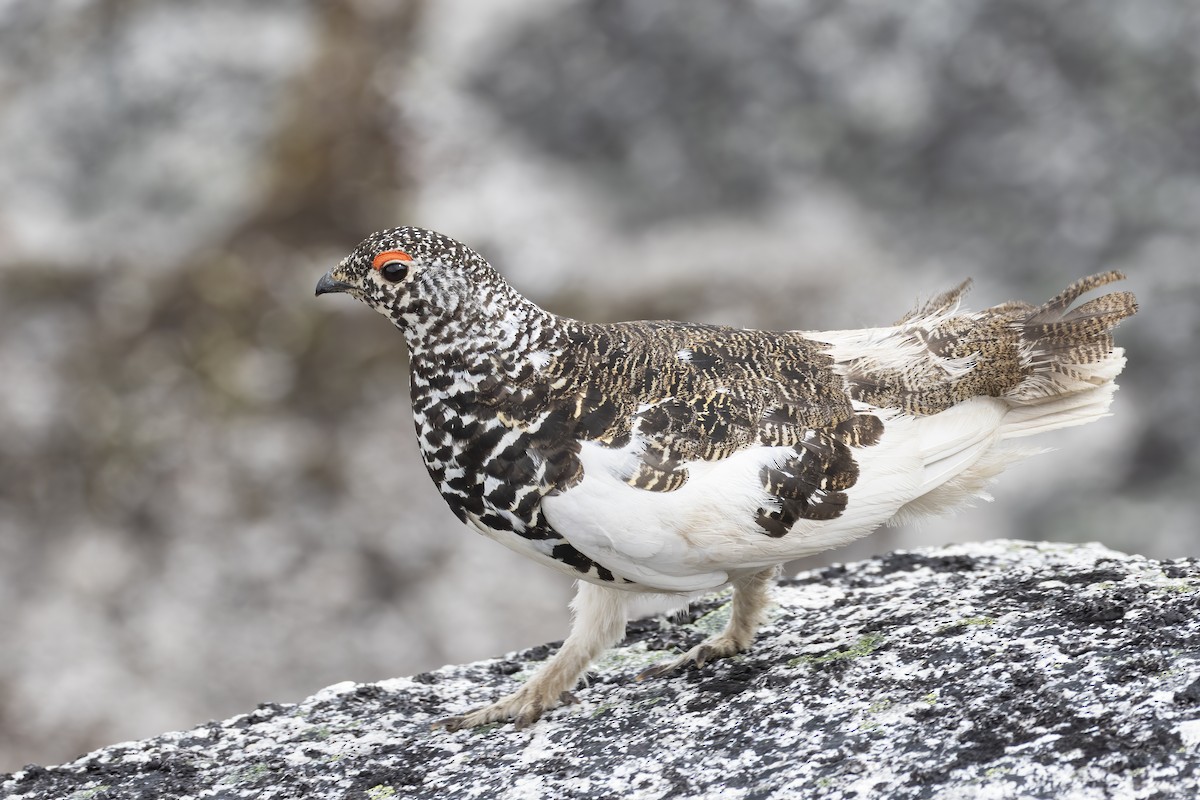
x=675, y=457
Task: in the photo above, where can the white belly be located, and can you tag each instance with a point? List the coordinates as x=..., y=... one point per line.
x=705, y=533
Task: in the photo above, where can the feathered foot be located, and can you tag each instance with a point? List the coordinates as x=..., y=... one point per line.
x=523, y=708
x=599, y=621
x=749, y=604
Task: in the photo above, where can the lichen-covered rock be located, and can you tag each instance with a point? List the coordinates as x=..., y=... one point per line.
x=1004, y=669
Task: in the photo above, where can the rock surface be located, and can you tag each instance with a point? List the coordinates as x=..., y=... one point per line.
x=1004, y=669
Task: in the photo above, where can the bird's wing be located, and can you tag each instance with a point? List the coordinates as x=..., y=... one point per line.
x=691, y=393
x=687, y=434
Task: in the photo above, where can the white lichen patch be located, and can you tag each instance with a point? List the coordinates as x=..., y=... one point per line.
x=1189, y=732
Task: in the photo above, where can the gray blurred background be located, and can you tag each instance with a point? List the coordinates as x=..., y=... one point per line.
x=209, y=491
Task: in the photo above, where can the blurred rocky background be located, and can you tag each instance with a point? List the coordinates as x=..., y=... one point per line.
x=209, y=492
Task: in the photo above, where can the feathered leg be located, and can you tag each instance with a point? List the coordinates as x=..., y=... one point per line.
x=598, y=622
x=750, y=595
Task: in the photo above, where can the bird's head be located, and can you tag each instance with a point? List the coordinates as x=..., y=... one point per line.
x=409, y=274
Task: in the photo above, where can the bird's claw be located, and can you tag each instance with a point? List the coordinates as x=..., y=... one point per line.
x=518, y=708
x=698, y=656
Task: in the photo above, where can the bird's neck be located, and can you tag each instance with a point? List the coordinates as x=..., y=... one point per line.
x=473, y=331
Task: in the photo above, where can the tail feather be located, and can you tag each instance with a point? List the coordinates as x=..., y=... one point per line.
x=938, y=356
x=1052, y=311
x=1063, y=411
x=972, y=382
x=1067, y=350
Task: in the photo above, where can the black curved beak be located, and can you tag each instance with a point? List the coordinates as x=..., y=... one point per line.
x=329, y=284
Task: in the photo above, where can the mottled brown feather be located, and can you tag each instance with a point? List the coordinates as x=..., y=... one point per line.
x=998, y=352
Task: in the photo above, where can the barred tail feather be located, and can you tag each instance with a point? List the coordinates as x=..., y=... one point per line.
x=1064, y=374
x=1067, y=351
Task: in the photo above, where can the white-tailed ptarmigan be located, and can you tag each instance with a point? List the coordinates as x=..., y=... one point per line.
x=675, y=457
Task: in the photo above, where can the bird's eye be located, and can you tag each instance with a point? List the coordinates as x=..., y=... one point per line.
x=394, y=270
x=392, y=264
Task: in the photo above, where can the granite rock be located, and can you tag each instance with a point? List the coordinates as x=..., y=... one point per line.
x=1001, y=669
